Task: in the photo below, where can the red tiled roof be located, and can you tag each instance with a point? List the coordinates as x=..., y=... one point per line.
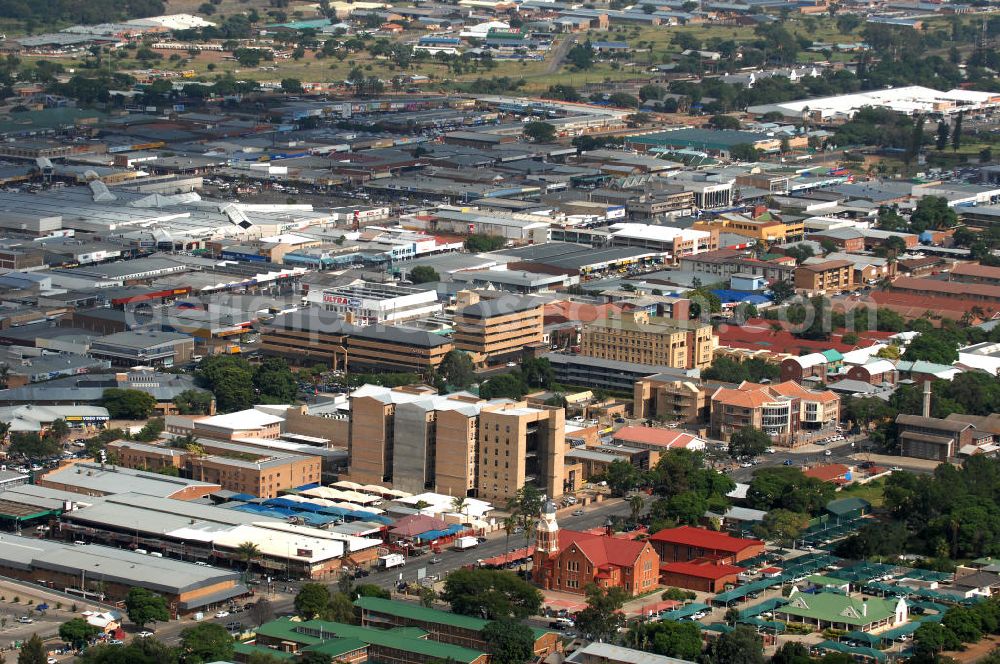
x=705, y=539
x=602, y=550
x=925, y=285
x=830, y=472
x=414, y=524
x=756, y=334
x=704, y=570
x=668, y=438
x=562, y=311
x=976, y=270
x=913, y=305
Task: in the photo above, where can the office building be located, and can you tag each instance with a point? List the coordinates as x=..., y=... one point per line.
x=106, y=574
x=238, y=468
x=637, y=338
x=664, y=397
x=496, y=331
x=787, y=412
x=454, y=444
x=149, y=348
x=314, y=337
x=377, y=304
x=934, y=438
x=826, y=278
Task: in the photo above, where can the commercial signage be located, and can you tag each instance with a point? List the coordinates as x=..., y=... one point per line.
x=352, y=302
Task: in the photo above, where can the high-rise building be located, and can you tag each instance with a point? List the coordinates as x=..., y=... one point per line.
x=499, y=330
x=455, y=444
x=637, y=338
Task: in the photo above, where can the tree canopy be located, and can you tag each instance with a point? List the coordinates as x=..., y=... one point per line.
x=493, y=594
x=144, y=606
x=509, y=641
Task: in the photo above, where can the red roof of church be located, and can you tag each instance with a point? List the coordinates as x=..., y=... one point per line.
x=602, y=550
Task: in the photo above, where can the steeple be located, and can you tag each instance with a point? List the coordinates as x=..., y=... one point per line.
x=547, y=530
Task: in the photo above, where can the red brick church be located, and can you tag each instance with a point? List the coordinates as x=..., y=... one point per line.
x=569, y=560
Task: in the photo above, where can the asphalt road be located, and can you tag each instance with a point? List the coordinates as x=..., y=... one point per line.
x=495, y=544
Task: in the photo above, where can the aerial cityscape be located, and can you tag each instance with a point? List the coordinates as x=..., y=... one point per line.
x=500, y=332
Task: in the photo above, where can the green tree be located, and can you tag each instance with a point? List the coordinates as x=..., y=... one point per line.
x=622, y=476
x=248, y=552
x=782, y=526
x=194, y=402
x=788, y=488
x=509, y=641
x=371, y=590
x=144, y=606
x=537, y=372
x=748, y=443
x=943, y=132
x=493, y=594
x=206, y=642
x=791, y=652
x=741, y=646
x=724, y=122
x=482, y=242
x=457, y=369
x=956, y=134
x=340, y=609
x=312, y=601
x=230, y=379
x=314, y=658
x=124, y=404
x=32, y=651
x=291, y=85
x=603, y=617
x=932, y=638
x=77, y=632
x=539, y=132
x=30, y=445
x=423, y=274
x=58, y=430
x=678, y=639
x=136, y=651
x=275, y=382
x=744, y=152
x=503, y=386
x=932, y=347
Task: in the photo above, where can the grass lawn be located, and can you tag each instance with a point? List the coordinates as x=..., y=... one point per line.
x=873, y=492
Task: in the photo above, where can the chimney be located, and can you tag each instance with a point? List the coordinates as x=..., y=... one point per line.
x=927, y=398
x=864, y=606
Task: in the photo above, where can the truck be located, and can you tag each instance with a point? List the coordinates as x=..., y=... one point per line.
x=390, y=560
x=463, y=543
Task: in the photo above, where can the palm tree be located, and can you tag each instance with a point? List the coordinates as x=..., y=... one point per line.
x=635, y=504
x=509, y=524
x=460, y=504
x=248, y=551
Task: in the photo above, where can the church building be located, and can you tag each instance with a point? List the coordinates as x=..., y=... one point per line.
x=570, y=560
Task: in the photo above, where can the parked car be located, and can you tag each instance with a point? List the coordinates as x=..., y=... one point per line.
x=577, y=512
x=144, y=634
x=221, y=614
x=434, y=561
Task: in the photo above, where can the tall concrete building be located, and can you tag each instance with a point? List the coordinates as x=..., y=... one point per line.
x=637, y=338
x=455, y=444
x=498, y=330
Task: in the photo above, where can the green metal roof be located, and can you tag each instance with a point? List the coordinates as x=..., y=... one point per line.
x=836, y=608
x=416, y=612
x=832, y=355
x=822, y=580
x=316, y=632
x=847, y=505
x=337, y=647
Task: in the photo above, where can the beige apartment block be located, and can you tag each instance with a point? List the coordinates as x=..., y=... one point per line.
x=519, y=445
x=664, y=397
x=498, y=330
x=454, y=444
x=637, y=338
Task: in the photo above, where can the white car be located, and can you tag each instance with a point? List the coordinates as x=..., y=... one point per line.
x=222, y=614
x=144, y=634
x=827, y=453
